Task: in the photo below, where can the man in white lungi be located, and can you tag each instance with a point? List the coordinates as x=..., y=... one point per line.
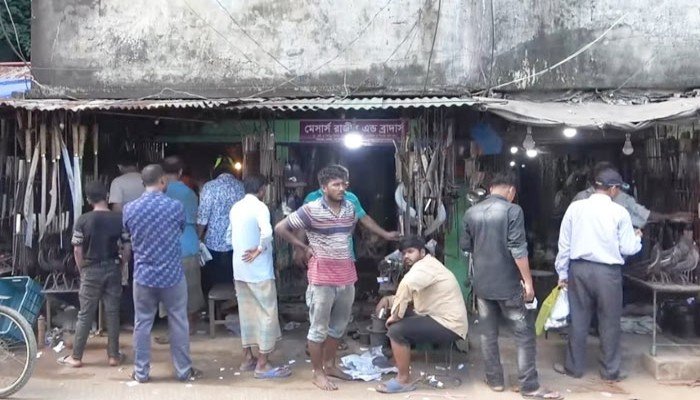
x=254, y=275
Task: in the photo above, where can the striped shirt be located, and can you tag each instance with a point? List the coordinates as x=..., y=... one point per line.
x=328, y=233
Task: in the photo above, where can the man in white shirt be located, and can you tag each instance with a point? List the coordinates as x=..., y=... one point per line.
x=251, y=238
x=596, y=234
x=128, y=186
x=124, y=189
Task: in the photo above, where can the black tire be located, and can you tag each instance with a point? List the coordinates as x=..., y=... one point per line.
x=30, y=341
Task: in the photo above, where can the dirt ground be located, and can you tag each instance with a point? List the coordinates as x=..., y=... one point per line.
x=219, y=358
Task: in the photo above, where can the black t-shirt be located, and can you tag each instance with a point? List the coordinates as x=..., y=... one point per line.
x=99, y=233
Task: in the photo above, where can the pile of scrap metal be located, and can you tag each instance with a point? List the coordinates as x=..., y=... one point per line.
x=677, y=265
x=424, y=171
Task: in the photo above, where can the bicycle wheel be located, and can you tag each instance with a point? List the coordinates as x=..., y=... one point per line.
x=17, y=351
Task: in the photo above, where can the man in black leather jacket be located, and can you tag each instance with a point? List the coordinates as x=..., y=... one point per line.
x=494, y=233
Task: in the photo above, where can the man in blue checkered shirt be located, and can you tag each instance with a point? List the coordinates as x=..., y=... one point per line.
x=155, y=223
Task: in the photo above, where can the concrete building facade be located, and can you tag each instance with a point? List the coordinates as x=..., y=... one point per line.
x=236, y=48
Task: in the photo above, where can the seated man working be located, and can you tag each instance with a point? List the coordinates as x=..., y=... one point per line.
x=438, y=314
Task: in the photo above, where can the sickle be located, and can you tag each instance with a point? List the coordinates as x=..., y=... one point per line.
x=29, y=198
x=54, y=177
x=44, y=171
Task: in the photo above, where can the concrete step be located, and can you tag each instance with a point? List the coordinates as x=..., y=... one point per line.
x=673, y=365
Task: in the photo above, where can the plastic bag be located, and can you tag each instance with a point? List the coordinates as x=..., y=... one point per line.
x=546, y=310
x=204, y=254
x=560, y=312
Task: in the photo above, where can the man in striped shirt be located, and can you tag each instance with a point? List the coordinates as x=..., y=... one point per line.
x=329, y=223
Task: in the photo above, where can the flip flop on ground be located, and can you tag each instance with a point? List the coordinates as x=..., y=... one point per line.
x=394, y=386
x=69, y=361
x=543, y=394
x=274, y=373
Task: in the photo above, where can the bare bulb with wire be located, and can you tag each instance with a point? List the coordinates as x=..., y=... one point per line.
x=627, y=148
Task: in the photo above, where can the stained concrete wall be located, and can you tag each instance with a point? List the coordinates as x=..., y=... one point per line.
x=116, y=48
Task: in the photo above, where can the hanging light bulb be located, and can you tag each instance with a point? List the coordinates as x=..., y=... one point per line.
x=532, y=153
x=529, y=142
x=570, y=132
x=513, y=150
x=512, y=164
x=627, y=149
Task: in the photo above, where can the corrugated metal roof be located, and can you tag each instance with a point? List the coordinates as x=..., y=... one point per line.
x=103, y=105
x=367, y=103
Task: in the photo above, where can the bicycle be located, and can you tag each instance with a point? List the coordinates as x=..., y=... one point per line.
x=18, y=347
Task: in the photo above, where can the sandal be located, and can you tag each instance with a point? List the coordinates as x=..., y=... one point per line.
x=560, y=368
x=495, y=388
x=543, y=394
x=117, y=361
x=249, y=365
x=163, y=340
x=274, y=373
x=192, y=375
x=621, y=376
x=134, y=378
x=64, y=361
x=393, y=386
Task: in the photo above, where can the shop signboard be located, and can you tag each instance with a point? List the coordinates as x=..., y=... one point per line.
x=373, y=131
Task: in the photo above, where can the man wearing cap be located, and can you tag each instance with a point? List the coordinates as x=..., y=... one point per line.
x=595, y=236
x=639, y=214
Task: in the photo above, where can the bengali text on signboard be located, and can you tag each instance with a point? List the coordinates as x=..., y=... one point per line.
x=373, y=131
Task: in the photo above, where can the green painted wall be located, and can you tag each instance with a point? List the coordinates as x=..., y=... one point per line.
x=455, y=260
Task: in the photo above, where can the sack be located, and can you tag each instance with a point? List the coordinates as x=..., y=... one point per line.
x=204, y=254
x=546, y=310
x=560, y=312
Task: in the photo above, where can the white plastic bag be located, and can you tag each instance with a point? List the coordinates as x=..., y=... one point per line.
x=204, y=254
x=560, y=312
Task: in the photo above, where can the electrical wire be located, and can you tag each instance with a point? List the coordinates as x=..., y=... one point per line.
x=493, y=43
x=12, y=21
x=18, y=53
x=384, y=64
x=245, y=32
x=167, y=89
x=340, y=52
x=432, y=46
x=567, y=59
x=9, y=41
x=222, y=36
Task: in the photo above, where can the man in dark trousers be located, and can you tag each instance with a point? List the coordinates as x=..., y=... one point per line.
x=595, y=235
x=96, y=239
x=155, y=223
x=215, y=202
x=494, y=232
